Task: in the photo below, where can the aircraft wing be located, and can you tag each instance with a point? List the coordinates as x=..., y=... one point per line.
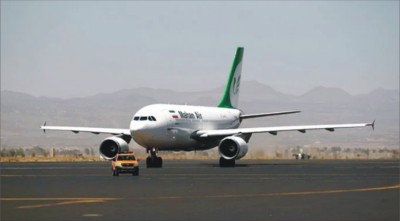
x=247, y=116
x=275, y=130
x=94, y=130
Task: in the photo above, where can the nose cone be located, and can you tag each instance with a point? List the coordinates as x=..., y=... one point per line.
x=147, y=124
x=141, y=132
x=136, y=126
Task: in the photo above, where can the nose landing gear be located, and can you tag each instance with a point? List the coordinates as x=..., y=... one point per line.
x=153, y=161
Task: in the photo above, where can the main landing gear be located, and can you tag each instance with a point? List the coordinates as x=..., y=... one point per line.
x=153, y=161
x=226, y=163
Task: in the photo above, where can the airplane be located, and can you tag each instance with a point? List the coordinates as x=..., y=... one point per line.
x=167, y=127
x=301, y=155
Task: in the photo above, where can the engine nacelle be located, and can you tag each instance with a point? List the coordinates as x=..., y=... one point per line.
x=232, y=148
x=111, y=146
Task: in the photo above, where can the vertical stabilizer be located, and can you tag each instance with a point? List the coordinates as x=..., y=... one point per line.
x=231, y=95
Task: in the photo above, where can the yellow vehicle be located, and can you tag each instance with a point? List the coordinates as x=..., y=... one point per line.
x=125, y=163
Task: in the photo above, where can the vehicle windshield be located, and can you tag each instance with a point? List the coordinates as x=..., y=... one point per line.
x=130, y=157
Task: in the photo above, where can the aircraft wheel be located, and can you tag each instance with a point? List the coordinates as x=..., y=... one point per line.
x=154, y=162
x=149, y=162
x=226, y=163
x=159, y=162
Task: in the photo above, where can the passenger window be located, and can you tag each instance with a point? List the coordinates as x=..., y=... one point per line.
x=143, y=118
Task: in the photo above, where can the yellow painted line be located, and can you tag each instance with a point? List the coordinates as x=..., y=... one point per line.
x=60, y=204
x=48, y=175
x=69, y=201
x=65, y=201
x=274, y=174
x=57, y=199
x=335, y=191
x=274, y=194
x=209, y=175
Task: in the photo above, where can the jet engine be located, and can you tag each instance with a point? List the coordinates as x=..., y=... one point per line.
x=232, y=148
x=111, y=146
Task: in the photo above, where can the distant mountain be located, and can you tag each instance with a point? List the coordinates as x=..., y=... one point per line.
x=381, y=95
x=22, y=114
x=323, y=95
x=255, y=91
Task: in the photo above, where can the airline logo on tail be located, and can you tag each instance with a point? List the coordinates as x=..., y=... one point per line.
x=231, y=95
x=236, y=84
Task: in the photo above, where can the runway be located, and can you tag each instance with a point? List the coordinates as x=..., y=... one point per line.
x=200, y=190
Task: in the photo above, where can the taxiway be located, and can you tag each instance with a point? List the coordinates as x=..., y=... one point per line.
x=200, y=190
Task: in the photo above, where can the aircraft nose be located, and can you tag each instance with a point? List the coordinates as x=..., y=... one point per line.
x=139, y=129
x=140, y=132
x=136, y=126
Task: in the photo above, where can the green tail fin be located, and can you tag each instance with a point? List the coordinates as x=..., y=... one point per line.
x=231, y=95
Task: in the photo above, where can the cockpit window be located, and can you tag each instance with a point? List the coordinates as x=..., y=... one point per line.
x=144, y=118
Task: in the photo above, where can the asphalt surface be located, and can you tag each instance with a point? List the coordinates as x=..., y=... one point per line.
x=200, y=190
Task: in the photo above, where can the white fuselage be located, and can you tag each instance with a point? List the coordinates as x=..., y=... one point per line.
x=169, y=127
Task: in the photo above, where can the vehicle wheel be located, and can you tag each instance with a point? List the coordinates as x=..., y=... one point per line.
x=136, y=173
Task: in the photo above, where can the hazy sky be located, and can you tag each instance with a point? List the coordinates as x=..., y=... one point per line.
x=76, y=48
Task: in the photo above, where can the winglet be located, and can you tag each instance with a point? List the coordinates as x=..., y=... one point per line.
x=44, y=124
x=372, y=125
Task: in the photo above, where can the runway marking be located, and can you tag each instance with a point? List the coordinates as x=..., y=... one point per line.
x=65, y=201
x=91, y=215
x=57, y=199
x=209, y=175
x=273, y=194
x=69, y=201
x=48, y=175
